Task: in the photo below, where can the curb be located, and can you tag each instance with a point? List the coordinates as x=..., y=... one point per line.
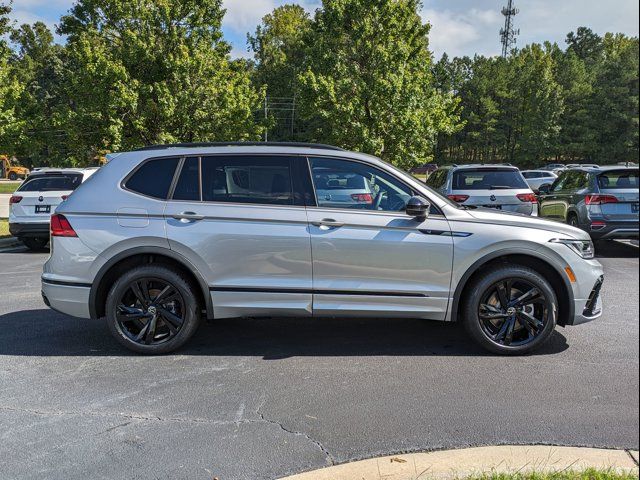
x=452, y=464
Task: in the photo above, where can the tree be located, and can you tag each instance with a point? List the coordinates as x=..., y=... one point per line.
x=368, y=84
x=9, y=88
x=153, y=72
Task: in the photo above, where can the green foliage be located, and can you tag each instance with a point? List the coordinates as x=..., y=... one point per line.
x=588, y=474
x=368, y=83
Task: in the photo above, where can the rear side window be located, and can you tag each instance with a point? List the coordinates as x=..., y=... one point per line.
x=51, y=183
x=437, y=179
x=188, y=186
x=488, y=179
x=263, y=180
x=618, y=179
x=153, y=178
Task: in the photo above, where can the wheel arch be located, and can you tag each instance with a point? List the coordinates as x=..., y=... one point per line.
x=130, y=258
x=558, y=281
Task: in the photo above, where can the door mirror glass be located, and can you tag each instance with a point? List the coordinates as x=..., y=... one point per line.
x=418, y=208
x=544, y=188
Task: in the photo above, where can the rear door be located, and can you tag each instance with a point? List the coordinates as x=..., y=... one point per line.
x=240, y=221
x=572, y=191
x=372, y=259
x=623, y=185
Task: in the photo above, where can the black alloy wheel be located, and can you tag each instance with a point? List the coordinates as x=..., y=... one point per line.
x=513, y=312
x=510, y=309
x=152, y=309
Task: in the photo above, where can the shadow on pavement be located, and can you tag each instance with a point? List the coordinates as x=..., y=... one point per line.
x=614, y=249
x=47, y=333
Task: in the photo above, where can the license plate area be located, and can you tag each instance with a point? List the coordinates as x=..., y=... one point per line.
x=43, y=208
x=495, y=207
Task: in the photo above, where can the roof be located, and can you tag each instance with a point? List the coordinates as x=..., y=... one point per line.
x=50, y=170
x=239, y=144
x=479, y=166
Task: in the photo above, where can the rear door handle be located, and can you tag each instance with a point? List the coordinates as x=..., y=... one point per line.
x=189, y=216
x=328, y=222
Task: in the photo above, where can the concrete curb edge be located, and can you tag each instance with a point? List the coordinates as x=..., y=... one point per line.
x=452, y=464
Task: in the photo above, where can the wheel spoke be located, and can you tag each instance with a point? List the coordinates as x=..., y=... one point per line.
x=503, y=330
x=144, y=284
x=135, y=288
x=527, y=319
x=175, y=320
x=151, y=331
x=504, y=293
x=527, y=297
x=166, y=293
x=130, y=313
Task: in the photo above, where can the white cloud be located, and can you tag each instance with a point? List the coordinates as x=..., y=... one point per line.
x=243, y=15
x=459, y=33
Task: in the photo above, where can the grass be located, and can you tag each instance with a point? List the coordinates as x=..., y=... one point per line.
x=9, y=187
x=4, y=228
x=589, y=474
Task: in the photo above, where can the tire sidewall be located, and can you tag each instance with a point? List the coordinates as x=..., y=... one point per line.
x=191, y=317
x=477, y=290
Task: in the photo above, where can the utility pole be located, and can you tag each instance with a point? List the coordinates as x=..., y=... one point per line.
x=508, y=33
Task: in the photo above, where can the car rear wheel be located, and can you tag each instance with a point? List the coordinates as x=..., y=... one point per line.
x=510, y=310
x=152, y=309
x=573, y=221
x=35, y=243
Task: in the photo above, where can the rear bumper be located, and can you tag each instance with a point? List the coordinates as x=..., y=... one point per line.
x=22, y=230
x=612, y=230
x=69, y=298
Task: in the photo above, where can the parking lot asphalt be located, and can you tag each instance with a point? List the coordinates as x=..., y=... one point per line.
x=259, y=399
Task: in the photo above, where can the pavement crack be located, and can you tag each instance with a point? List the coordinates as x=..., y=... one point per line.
x=329, y=458
x=633, y=459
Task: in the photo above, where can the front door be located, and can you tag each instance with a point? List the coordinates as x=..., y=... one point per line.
x=369, y=257
x=237, y=219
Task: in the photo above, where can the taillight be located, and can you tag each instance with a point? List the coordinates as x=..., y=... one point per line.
x=64, y=197
x=458, y=198
x=599, y=199
x=362, y=197
x=60, y=226
x=527, y=197
x=15, y=199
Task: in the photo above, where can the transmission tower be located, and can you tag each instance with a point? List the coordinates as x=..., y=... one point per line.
x=508, y=33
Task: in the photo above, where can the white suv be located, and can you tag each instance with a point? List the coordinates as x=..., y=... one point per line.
x=32, y=204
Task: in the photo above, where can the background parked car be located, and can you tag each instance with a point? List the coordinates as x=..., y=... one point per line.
x=32, y=204
x=535, y=178
x=426, y=169
x=501, y=187
x=602, y=201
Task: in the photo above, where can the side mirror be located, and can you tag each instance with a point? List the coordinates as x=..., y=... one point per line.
x=544, y=189
x=418, y=208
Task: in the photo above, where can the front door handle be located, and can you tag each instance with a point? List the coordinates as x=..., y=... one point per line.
x=187, y=216
x=328, y=222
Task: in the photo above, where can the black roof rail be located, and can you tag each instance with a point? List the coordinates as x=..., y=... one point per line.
x=238, y=144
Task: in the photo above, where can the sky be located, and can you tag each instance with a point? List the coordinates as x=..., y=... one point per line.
x=459, y=27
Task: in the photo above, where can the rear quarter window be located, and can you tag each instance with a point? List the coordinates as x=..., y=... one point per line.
x=153, y=178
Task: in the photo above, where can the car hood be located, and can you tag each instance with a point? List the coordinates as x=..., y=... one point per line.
x=487, y=215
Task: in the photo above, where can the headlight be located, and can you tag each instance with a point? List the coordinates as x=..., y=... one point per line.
x=584, y=248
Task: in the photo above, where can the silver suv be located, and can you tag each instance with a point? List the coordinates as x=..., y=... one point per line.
x=162, y=237
x=501, y=187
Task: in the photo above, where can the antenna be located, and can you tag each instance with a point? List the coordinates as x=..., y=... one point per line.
x=508, y=33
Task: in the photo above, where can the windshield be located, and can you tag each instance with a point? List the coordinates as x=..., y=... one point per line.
x=488, y=179
x=51, y=183
x=618, y=179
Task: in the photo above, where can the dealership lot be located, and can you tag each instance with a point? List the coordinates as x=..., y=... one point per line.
x=263, y=398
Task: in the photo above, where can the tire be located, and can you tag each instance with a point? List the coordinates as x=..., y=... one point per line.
x=521, y=327
x=13, y=176
x=35, y=244
x=128, y=313
x=573, y=220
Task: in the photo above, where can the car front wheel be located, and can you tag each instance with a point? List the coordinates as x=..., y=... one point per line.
x=152, y=309
x=510, y=310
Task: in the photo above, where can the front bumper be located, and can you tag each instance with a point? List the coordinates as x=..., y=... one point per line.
x=591, y=308
x=22, y=230
x=69, y=298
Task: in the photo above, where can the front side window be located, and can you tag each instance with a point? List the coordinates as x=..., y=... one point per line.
x=488, y=179
x=346, y=184
x=153, y=178
x=51, y=183
x=247, y=179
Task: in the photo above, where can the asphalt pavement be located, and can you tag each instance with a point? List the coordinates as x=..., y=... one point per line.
x=260, y=399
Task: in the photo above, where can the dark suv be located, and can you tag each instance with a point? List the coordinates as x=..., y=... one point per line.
x=602, y=201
